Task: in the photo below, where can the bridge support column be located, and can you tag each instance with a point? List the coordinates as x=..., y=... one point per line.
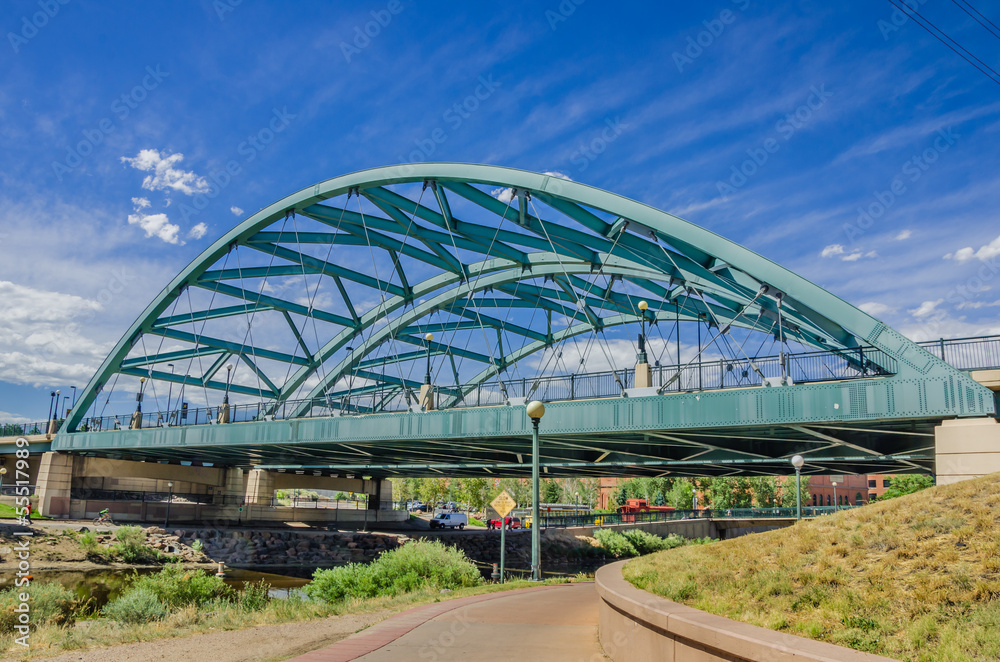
x=381, y=497
x=52, y=488
x=427, y=397
x=966, y=448
x=643, y=375
x=260, y=487
x=234, y=488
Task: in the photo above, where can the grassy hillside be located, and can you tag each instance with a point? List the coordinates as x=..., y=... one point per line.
x=913, y=578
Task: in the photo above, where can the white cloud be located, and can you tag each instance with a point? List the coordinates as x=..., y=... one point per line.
x=7, y=417
x=504, y=195
x=165, y=176
x=40, y=336
x=871, y=255
x=198, y=231
x=831, y=250
x=972, y=305
x=853, y=257
x=905, y=234
x=985, y=252
x=555, y=173
x=140, y=203
x=875, y=309
x=156, y=225
x=236, y=211
x=926, y=308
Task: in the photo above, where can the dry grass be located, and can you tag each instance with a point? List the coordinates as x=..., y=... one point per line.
x=914, y=578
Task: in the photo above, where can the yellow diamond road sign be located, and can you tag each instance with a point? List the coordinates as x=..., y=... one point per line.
x=503, y=504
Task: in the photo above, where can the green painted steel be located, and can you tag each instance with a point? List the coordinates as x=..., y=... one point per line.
x=478, y=256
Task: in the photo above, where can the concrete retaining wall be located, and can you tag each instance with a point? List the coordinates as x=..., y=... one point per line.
x=636, y=626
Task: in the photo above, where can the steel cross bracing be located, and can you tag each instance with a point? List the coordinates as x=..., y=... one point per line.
x=330, y=293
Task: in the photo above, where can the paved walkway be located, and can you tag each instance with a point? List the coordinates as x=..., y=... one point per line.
x=552, y=623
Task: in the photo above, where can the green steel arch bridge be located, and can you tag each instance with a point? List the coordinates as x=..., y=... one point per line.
x=394, y=322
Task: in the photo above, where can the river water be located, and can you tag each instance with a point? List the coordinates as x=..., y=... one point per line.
x=102, y=585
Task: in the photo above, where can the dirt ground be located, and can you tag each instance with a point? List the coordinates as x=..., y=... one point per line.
x=260, y=644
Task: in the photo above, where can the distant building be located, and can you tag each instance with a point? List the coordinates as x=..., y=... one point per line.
x=850, y=490
x=877, y=485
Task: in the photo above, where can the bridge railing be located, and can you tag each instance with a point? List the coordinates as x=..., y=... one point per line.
x=978, y=353
x=963, y=353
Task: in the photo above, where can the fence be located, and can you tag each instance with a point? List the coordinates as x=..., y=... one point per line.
x=608, y=519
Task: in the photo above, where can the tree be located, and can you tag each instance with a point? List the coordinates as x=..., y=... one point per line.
x=550, y=491
x=659, y=499
x=765, y=491
x=681, y=494
x=475, y=492
x=433, y=490
x=906, y=484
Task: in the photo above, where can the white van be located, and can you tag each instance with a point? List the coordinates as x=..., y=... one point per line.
x=449, y=520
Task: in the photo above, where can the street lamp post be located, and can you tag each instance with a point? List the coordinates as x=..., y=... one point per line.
x=535, y=411
x=170, y=391
x=170, y=497
x=3, y=472
x=52, y=397
x=836, y=503
x=74, y=395
x=427, y=377
x=797, y=462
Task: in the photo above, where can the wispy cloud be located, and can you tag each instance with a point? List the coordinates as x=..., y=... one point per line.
x=165, y=176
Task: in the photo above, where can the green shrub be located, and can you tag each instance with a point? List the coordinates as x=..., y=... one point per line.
x=131, y=545
x=254, y=596
x=176, y=586
x=137, y=605
x=50, y=604
x=647, y=543
x=616, y=544
x=414, y=566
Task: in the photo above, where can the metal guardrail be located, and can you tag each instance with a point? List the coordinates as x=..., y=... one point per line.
x=978, y=353
x=609, y=519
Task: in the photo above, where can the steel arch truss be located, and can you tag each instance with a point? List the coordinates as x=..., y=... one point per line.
x=331, y=292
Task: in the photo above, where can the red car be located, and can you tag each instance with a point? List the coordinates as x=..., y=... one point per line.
x=509, y=522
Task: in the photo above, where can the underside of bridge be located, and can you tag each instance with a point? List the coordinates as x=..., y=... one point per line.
x=393, y=322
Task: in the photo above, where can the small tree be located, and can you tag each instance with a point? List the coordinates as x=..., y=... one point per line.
x=551, y=491
x=681, y=494
x=906, y=484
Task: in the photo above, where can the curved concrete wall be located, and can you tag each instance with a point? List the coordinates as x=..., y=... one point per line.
x=636, y=626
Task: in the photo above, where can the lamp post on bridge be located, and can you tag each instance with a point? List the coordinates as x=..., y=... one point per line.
x=224, y=409
x=797, y=462
x=427, y=391
x=535, y=410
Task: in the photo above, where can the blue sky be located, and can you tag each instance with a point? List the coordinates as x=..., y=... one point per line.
x=837, y=139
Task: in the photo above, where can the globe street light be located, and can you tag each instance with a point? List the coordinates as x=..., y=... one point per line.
x=535, y=411
x=3, y=472
x=170, y=497
x=836, y=502
x=797, y=462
